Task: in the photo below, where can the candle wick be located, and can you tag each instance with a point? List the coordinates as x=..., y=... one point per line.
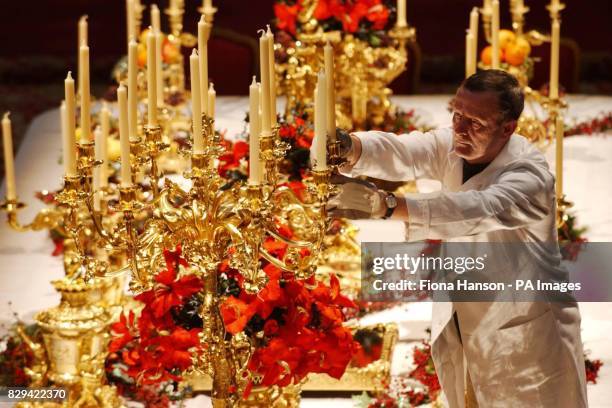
x=261, y=31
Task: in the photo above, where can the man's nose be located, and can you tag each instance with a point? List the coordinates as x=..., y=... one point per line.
x=461, y=126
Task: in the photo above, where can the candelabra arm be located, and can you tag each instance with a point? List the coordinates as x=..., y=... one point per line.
x=46, y=219
x=291, y=242
x=96, y=220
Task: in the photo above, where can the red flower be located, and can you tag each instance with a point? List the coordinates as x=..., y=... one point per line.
x=304, y=139
x=123, y=332
x=286, y=16
x=287, y=131
x=168, y=291
x=270, y=327
x=236, y=313
x=378, y=15
x=231, y=159
x=177, y=348
x=329, y=8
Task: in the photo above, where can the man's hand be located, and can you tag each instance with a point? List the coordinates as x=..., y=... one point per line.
x=357, y=199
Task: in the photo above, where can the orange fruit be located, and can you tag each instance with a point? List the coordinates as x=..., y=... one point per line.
x=170, y=53
x=141, y=57
x=506, y=37
x=515, y=54
x=522, y=43
x=486, y=54
x=143, y=36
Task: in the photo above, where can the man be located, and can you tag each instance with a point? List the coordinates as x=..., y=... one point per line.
x=496, y=188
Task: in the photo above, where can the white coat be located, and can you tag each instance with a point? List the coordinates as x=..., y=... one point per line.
x=518, y=354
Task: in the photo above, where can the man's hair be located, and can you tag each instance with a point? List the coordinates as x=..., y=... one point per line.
x=509, y=93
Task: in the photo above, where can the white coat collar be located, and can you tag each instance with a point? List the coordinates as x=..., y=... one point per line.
x=453, y=179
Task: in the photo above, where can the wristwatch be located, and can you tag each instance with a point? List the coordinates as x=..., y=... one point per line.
x=391, y=203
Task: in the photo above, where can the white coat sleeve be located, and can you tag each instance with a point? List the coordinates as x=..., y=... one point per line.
x=523, y=193
x=403, y=157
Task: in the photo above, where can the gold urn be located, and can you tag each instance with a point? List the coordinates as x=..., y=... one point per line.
x=75, y=333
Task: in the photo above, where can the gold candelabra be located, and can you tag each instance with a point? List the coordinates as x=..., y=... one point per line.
x=75, y=333
x=538, y=129
x=209, y=221
x=362, y=72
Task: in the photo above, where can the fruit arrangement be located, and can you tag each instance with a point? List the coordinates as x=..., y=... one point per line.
x=514, y=52
x=170, y=52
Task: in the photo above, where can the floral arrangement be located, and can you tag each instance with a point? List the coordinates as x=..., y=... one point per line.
x=419, y=386
x=369, y=20
x=15, y=356
x=592, y=369
x=601, y=124
x=571, y=238
x=158, y=346
x=295, y=326
x=148, y=353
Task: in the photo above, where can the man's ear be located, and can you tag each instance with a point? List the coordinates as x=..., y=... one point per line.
x=508, y=128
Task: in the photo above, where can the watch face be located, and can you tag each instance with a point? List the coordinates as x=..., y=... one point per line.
x=391, y=201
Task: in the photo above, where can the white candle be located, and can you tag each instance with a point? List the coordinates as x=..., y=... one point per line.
x=133, y=88
x=495, y=35
x=330, y=92
x=83, y=31
x=554, y=60
x=474, y=31
x=159, y=75
x=272, y=67
x=264, y=61
x=318, y=150
x=155, y=18
x=97, y=195
x=101, y=149
x=82, y=40
x=151, y=79
x=85, y=94
x=470, y=67
x=70, y=168
x=559, y=155
x=212, y=96
x=124, y=138
x=196, y=103
x=131, y=26
x=65, y=138
x=9, y=163
x=401, y=13
x=138, y=9
x=255, y=173
x=203, y=35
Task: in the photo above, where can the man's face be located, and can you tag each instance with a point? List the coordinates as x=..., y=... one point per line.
x=480, y=130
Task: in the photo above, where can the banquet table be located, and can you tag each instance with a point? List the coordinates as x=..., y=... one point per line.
x=27, y=265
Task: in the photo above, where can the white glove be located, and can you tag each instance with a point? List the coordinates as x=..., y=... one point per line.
x=357, y=199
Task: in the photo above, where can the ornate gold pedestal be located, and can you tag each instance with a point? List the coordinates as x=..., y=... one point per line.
x=75, y=337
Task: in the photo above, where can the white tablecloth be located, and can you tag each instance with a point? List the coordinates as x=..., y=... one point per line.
x=26, y=266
